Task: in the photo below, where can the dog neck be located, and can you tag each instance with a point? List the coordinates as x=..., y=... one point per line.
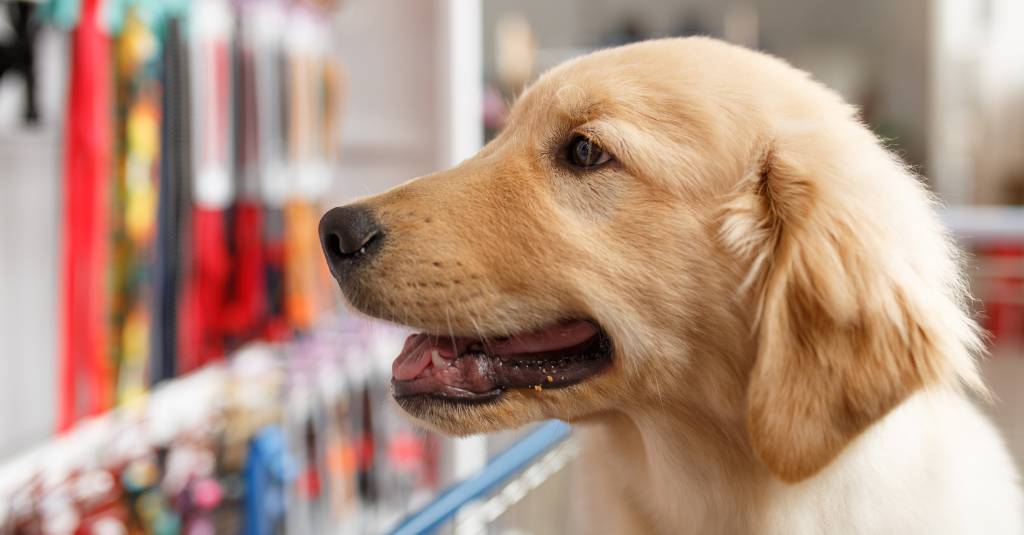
x=684, y=446
x=680, y=470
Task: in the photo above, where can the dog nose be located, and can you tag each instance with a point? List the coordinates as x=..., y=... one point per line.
x=348, y=234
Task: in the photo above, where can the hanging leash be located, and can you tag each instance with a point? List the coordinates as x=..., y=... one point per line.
x=85, y=376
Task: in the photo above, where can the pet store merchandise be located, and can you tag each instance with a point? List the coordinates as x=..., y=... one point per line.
x=176, y=250
x=293, y=436
x=207, y=383
x=325, y=266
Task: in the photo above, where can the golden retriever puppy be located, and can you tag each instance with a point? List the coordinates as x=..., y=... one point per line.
x=705, y=260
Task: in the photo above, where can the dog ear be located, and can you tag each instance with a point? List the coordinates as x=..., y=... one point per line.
x=839, y=343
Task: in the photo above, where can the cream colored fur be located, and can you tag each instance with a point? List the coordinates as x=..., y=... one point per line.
x=792, y=352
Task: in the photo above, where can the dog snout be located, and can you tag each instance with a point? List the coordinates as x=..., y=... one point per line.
x=349, y=235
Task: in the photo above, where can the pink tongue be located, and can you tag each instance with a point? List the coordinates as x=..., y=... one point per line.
x=550, y=339
x=416, y=355
x=412, y=360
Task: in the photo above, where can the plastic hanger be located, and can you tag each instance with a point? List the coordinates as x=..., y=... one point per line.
x=19, y=55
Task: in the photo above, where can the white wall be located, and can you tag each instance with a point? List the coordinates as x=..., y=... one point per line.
x=30, y=165
x=29, y=241
x=391, y=130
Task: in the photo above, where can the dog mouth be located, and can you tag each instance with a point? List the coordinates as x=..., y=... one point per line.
x=480, y=369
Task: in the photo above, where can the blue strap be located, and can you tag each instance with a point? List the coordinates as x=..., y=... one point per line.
x=503, y=466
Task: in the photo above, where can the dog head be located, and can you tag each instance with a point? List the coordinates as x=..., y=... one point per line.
x=680, y=224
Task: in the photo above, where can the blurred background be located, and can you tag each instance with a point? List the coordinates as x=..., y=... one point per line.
x=174, y=357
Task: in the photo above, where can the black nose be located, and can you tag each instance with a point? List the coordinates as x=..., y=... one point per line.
x=349, y=234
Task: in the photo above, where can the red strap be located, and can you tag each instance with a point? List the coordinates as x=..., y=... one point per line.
x=247, y=305
x=1003, y=318
x=84, y=249
x=202, y=333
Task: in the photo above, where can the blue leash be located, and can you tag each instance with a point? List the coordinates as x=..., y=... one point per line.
x=503, y=466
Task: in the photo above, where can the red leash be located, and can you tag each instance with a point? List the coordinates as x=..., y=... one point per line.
x=87, y=173
x=209, y=277
x=203, y=339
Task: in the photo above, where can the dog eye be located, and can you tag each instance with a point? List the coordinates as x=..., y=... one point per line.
x=583, y=153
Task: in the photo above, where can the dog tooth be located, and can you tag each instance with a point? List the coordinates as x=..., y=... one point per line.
x=436, y=358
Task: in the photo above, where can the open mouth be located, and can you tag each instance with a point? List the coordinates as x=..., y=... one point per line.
x=478, y=370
